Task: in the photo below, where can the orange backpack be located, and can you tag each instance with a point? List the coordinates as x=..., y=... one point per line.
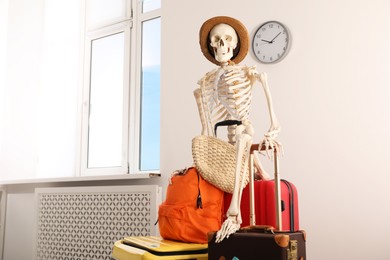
x=192, y=208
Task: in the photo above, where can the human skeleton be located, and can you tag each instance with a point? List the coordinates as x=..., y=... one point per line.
x=225, y=93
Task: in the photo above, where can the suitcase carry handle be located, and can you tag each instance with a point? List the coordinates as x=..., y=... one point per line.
x=282, y=239
x=257, y=228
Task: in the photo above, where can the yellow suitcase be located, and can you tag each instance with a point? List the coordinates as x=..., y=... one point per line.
x=153, y=247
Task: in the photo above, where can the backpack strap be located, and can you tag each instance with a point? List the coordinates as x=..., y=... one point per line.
x=199, y=199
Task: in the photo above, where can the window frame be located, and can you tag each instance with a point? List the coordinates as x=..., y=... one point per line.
x=132, y=90
x=135, y=111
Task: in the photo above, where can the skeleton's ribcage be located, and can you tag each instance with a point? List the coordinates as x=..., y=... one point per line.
x=233, y=95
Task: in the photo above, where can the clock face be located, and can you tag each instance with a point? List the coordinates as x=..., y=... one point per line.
x=271, y=42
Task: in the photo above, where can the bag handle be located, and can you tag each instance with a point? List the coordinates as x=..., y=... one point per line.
x=229, y=122
x=226, y=123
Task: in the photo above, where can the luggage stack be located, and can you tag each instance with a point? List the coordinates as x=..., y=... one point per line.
x=270, y=229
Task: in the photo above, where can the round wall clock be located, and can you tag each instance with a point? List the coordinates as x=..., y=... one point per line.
x=271, y=42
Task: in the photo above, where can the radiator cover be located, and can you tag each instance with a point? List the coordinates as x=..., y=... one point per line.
x=84, y=222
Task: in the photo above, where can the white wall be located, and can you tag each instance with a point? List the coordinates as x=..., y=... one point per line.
x=39, y=75
x=331, y=95
x=21, y=85
x=3, y=33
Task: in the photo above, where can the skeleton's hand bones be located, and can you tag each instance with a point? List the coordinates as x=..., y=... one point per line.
x=271, y=144
x=269, y=140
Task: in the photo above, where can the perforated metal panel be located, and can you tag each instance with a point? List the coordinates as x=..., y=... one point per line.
x=84, y=222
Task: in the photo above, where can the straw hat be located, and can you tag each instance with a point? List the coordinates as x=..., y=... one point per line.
x=239, y=52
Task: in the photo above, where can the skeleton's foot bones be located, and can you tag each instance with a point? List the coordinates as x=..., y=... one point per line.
x=229, y=227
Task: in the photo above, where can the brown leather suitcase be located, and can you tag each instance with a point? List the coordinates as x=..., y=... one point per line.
x=260, y=242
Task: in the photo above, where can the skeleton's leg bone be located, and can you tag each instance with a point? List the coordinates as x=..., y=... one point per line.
x=260, y=172
x=248, y=143
x=246, y=151
x=233, y=221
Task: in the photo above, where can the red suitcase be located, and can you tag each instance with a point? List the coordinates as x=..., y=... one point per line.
x=265, y=211
x=263, y=242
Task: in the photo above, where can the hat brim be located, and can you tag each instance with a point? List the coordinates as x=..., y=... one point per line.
x=243, y=37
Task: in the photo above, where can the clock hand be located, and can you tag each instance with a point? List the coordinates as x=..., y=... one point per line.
x=275, y=37
x=271, y=41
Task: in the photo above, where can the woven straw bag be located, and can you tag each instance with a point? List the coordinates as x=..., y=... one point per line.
x=215, y=160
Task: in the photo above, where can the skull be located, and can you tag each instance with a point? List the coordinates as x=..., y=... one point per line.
x=224, y=40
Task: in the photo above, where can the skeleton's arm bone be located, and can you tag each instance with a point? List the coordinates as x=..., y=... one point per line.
x=199, y=95
x=199, y=103
x=209, y=110
x=274, y=130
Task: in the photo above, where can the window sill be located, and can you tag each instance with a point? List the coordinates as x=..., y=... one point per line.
x=82, y=178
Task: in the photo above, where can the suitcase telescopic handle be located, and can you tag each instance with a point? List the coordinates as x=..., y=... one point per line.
x=278, y=202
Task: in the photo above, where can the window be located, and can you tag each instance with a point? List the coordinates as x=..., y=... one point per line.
x=150, y=102
x=121, y=87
